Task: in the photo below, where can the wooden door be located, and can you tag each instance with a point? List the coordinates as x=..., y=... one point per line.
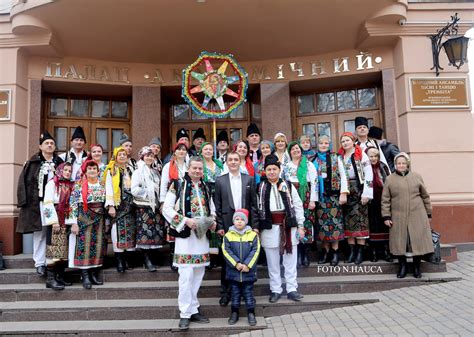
x=235, y=129
x=346, y=121
x=316, y=126
x=108, y=135
x=62, y=130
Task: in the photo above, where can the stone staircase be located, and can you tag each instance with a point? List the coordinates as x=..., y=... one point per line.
x=139, y=303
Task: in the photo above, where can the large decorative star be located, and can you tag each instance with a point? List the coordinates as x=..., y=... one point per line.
x=214, y=84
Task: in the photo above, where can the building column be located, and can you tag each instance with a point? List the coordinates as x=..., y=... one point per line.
x=390, y=105
x=276, y=112
x=146, y=115
x=13, y=137
x=34, y=125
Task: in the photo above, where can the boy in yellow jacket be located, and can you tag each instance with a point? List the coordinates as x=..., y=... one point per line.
x=241, y=247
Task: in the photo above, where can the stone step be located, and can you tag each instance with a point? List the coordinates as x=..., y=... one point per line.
x=210, y=288
x=448, y=253
x=164, y=273
x=85, y=310
x=153, y=327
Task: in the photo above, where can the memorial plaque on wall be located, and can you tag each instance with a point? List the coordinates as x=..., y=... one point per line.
x=435, y=92
x=5, y=104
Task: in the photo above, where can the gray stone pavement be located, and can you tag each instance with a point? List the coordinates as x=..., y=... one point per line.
x=445, y=309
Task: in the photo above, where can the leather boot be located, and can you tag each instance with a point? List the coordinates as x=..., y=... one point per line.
x=374, y=254
x=173, y=268
x=94, y=277
x=125, y=259
x=402, y=266
x=305, y=257
x=360, y=255
x=335, y=257
x=299, y=258
x=147, y=261
x=60, y=270
x=86, y=281
x=120, y=262
x=352, y=253
x=387, y=256
x=323, y=256
x=416, y=266
x=51, y=280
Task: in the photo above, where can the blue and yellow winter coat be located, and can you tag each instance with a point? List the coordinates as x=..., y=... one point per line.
x=241, y=247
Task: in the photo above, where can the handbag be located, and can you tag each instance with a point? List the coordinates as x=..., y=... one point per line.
x=435, y=257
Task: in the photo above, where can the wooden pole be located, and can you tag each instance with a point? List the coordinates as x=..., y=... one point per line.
x=214, y=136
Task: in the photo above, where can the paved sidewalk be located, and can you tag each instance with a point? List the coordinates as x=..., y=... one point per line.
x=434, y=310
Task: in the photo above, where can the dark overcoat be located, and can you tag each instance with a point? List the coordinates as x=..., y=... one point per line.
x=29, y=219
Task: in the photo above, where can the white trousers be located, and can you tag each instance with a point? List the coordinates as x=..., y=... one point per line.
x=274, y=270
x=39, y=247
x=113, y=234
x=190, y=279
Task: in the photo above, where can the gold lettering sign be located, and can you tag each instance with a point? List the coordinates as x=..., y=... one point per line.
x=5, y=104
x=258, y=73
x=435, y=92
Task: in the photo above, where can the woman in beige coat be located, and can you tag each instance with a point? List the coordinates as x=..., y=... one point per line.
x=406, y=209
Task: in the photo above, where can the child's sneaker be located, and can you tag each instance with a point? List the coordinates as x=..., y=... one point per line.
x=234, y=317
x=252, y=319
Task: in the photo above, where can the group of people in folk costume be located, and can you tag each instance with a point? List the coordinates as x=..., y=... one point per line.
x=221, y=209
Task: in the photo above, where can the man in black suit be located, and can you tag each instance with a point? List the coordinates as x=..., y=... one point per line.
x=233, y=191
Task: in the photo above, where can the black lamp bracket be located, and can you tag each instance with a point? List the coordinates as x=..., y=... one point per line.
x=451, y=29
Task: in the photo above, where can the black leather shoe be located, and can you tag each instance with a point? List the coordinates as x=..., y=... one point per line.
x=234, y=317
x=274, y=297
x=183, y=324
x=252, y=319
x=387, y=256
x=41, y=270
x=305, y=258
x=335, y=257
x=323, y=257
x=94, y=277
x=224, y=301
x=148, y=264
x=402, y=267
x=199, y=318
x=416, y=266
x=60, y=277
x=120, y=262
x=294, y=296
x=86, y=281
x=352, y=253
x=374, y=255
x=360, y=255
x=51, y=281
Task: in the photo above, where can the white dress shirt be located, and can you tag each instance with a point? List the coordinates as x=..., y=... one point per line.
x=236, y=189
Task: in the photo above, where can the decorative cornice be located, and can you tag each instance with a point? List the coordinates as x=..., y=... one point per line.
x=17, y=41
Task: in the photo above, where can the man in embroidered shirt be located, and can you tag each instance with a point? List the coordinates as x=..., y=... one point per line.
x=363, y=139
x=77, y=154
x=187, y=206
x=30, y=193
x=281, y=217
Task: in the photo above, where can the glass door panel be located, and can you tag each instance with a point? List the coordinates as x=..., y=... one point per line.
x=316, y=126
